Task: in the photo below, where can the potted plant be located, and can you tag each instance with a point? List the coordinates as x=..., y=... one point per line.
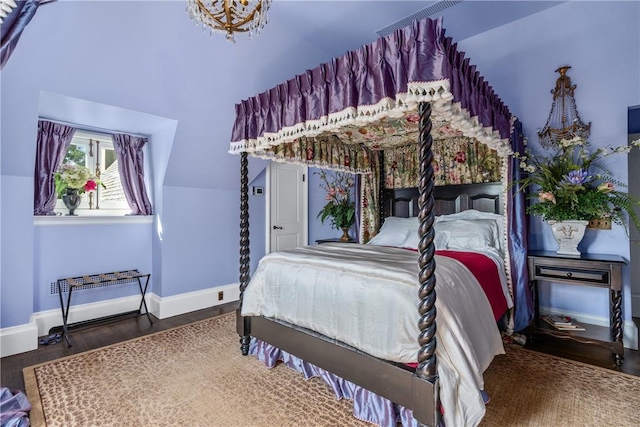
x=340, y=209
x=570, y=187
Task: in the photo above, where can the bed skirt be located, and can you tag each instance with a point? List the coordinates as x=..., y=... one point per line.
x=367, y=406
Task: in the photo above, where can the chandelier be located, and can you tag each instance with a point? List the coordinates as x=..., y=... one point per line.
x=230, y=16
x=564, y=121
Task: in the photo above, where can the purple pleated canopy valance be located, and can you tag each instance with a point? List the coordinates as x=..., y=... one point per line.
x=380, y=84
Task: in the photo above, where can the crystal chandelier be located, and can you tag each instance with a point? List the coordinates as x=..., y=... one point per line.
x=230, y=16
x=564, y=121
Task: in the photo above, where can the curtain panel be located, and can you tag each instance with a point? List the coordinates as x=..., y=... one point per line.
x=517, y=244
x=13, y=25
x=52, y=144
x=131, y=167
x=456, y=160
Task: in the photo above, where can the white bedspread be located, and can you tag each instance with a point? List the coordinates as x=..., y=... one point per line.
x=367, y=296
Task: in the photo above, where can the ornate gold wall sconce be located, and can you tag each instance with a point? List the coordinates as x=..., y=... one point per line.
x=564, y=121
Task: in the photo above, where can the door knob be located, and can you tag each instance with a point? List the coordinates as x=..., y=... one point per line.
x=275, y=227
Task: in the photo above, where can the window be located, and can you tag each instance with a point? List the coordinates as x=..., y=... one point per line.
x=95, y=151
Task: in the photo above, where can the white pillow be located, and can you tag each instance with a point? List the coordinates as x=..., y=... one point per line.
x=475, y=214
x=389, y=238
x=472, y=234
x=440, y=240
x=394, y=231
x=396, y=223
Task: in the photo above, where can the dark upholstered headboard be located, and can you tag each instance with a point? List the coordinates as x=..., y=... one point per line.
x=486, y=197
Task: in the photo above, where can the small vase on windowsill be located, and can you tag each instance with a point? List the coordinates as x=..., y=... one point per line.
x=71, y=200
x=345, y=234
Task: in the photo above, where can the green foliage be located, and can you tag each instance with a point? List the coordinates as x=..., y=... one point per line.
x=75, y=155
x=340, y=210
x=342, y=214
x=571, y=184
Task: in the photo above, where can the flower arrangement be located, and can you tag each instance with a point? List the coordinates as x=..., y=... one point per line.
x=69, y=175
x=339, y=208
x=571, y=184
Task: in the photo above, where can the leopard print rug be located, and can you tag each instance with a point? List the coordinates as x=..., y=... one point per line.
x=195, y=376
x=189, y=376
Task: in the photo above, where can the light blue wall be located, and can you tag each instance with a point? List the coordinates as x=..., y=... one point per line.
x=145, y=57
x=600, y=41
x=72, y=250
x=200, y=239
x=16, y=265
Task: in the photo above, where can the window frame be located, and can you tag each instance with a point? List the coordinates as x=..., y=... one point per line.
x=83, y=138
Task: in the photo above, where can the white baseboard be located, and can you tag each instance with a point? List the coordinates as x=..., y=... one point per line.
x=23, y=338
x=18, y=339
x=45, y=320
x=629, y=329
x=163, y=307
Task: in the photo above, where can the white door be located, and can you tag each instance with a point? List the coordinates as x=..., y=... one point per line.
x=287, y=213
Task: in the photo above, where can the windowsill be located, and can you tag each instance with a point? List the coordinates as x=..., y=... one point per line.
x=58, y=220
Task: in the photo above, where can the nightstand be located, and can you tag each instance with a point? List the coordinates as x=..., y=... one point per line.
x=599, y=270
x=336, y=240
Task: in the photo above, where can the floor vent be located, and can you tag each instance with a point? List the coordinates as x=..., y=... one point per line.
x=435, y=8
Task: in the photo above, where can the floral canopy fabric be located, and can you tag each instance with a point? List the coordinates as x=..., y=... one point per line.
x=340, y=113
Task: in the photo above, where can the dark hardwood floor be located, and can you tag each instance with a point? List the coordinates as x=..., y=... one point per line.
x=122, y=330
x=586, y=353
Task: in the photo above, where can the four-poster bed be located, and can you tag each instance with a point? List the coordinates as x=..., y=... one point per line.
x=341, y=116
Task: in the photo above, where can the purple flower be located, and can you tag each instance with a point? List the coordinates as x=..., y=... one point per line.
x=577, y=177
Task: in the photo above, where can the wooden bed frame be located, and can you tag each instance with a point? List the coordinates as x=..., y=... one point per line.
x=486, y=197
x=417, y=389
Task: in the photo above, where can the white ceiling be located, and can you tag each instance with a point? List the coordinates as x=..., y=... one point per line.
x=337, y=26
x=340, y=25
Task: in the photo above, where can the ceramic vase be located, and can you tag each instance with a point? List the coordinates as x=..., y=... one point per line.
x=345, y=234
x=71, y=200
x=568, y=234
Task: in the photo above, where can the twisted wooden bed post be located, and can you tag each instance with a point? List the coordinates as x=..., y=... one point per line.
x=427, y=363
x=243, y=326
x=382, y=207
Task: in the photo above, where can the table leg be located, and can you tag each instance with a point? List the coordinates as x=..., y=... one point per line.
x=616, y=323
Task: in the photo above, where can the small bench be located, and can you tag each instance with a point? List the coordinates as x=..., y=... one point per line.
x=99, y=280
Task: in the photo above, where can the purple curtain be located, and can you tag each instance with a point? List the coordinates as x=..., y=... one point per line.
x=13, y=25
x=131, y=166
x=53, y=142
x=358, y=198
x=518, y=237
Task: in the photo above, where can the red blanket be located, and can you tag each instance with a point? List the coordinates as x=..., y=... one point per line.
x=486, y=271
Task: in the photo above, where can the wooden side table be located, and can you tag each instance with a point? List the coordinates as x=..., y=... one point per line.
x=599, y=270
x=335, y=240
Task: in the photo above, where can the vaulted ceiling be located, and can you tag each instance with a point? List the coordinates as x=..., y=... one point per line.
x=334, y=25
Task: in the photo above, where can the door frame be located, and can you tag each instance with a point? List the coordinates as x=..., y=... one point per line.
x=305, y=208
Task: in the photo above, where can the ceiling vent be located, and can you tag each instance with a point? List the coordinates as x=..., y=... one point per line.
x=434, y=9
